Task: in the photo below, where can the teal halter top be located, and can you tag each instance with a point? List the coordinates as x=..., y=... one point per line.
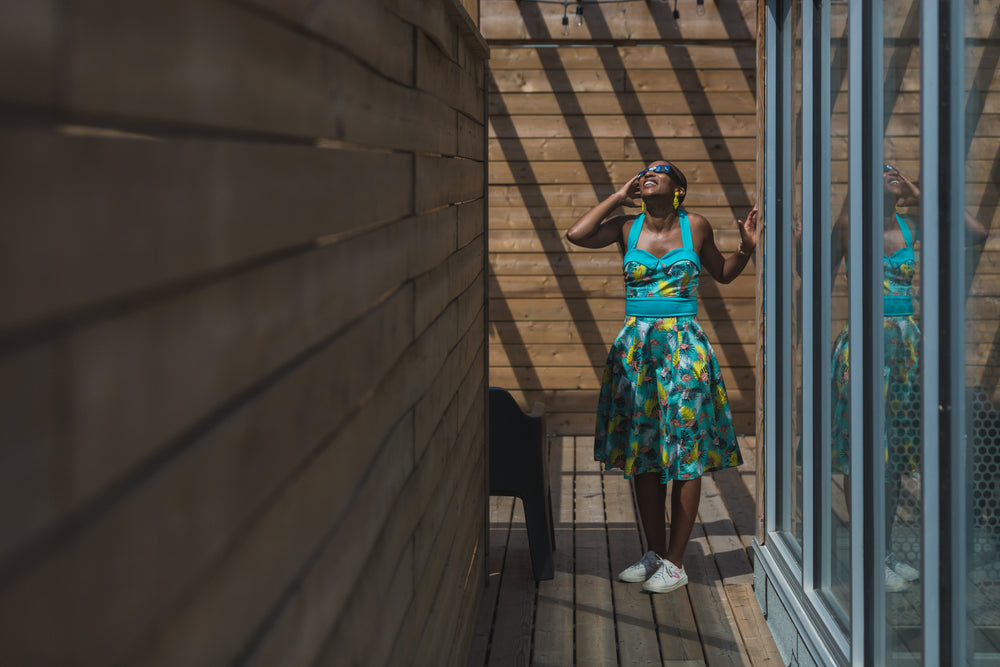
x=899, y=305
x=661, y=306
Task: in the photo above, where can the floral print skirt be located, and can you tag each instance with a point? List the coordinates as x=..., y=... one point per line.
x=901, y=378
x=663, y=406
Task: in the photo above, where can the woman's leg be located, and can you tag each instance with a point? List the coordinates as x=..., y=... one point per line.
x=651, y=497
x=892, y=489
x=684, y=500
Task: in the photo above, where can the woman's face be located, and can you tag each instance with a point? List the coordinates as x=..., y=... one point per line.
x=657, y=179
x=892, y=180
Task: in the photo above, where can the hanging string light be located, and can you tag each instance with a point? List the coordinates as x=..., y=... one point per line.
x=700, y=10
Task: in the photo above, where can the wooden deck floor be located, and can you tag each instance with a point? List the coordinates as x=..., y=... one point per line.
x=585, y=616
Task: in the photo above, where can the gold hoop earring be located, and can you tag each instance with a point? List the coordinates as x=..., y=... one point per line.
x=677, y=199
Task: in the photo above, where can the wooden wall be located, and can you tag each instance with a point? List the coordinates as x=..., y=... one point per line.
x=242, y=335
x=575, y=111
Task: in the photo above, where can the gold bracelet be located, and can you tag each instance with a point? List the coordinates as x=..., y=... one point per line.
x=741, y=252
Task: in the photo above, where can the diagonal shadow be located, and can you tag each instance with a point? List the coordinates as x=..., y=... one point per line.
x=641, y=130
x=987, y=208
x=512, y=340
x=531, y=191
x=709, y=128
x=838, y=64
x=902, y=53
x=527, y=181
x=639, y=126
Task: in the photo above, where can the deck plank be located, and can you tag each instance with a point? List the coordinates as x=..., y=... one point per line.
x=676, y=628
x=501, y=509
x=595, y=627
x=555, y=614
x=728, y=550
x=757, y=638
x=511, y=643
x=717, y=627
x=748, y=471
x=637, y=639
x=740, y=504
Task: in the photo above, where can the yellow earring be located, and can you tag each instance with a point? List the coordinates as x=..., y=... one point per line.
x=643, y=207
x=677, y=199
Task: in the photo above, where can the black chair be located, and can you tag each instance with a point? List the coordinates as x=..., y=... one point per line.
x=519, y=467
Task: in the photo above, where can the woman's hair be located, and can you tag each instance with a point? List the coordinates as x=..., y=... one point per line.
x=678, y=176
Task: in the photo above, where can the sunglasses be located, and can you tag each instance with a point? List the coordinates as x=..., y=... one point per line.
x=886, y=168
x=658, y=169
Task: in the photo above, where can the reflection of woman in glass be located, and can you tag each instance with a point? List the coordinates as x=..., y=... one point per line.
x=901, y=373
x=663, y=413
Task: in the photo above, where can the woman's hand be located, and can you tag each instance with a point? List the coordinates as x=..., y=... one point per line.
x=909, y=190
x=594, y=229
x=629, y=194
x=748, y=232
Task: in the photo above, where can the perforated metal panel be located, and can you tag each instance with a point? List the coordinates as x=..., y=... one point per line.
x=983, y=442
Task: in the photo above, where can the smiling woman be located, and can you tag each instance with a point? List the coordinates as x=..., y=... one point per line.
x=663, y=413
x=902, y=366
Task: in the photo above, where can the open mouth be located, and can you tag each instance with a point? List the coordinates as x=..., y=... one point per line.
x=894, y=181
x=648, y=181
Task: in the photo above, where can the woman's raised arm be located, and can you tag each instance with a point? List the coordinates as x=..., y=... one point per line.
x=592, y=230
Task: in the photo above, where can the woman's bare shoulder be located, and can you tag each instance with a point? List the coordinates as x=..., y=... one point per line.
x=625, y=220
x=700, y=226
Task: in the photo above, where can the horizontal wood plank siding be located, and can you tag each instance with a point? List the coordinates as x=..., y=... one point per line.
x=243, y=341
x=574, y=113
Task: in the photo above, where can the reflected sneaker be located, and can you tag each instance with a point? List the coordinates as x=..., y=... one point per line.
x=642, y=570
x=667, y=578
x=893, y=582
x=907, y=572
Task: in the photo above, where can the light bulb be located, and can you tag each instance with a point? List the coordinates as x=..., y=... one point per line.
x=700, y=9
x=579, y=14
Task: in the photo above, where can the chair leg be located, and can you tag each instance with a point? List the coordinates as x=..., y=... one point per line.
x=552, y=521
x=541, y=534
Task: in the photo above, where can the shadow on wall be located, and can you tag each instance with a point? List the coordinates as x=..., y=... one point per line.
x=576, y=297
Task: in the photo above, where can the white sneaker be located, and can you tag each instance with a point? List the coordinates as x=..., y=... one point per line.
x=667, y=578
x=893, y=582
x=907, y=572
x=642, y=570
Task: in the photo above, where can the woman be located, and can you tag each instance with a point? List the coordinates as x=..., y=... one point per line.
x=901, y=373
x=663, y=413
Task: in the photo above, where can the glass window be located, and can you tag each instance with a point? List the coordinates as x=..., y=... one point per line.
x=982, y=335
x=901, y=224
x=797, y=317
x=904, y=406
x=839, y=564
